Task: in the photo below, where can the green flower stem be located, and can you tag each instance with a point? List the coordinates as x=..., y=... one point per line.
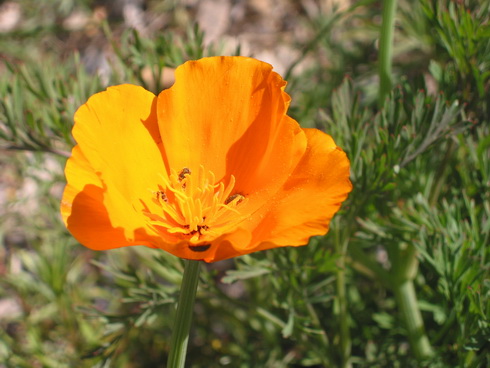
x=405, y=265
x=183, y=319
x=386, y=49
x=345, y=344
x=345, y=340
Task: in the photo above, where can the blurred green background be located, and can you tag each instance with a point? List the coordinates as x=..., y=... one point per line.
x=401, y=279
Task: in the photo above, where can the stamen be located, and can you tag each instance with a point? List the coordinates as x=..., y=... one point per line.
x=194, y=207
x=161, y=195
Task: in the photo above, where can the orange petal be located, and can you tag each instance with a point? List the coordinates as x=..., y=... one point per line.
x=228, y=114
x=85, y=212
x=221, y=248
x=116, y=163
x=309, y=199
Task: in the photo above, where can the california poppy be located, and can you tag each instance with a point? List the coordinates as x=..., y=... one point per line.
x=209, y=169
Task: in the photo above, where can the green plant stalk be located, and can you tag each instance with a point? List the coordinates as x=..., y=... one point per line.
x=407, y=303
x=406, y=267
x=386, y=49
x=183, y=319
x=341, y=242
x=345, y=340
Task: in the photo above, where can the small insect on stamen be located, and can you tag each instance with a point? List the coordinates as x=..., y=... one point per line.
x=185, y=171
x=233, y=197
x=182, y=175
x=161, y=196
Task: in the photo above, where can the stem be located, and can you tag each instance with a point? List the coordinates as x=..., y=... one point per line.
x=407, y=302
x=183, y=319
x=341, y=242
x=406, y=267
x=345, y=341
x=386, y=49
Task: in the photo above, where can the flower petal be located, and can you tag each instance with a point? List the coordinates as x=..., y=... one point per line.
x=117, y=131
x=85, y=214
x=113, y=168
x=309, y=199
x=229, y=115
x=221, y=248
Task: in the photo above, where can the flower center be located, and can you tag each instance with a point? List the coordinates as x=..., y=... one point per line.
x=195, y=207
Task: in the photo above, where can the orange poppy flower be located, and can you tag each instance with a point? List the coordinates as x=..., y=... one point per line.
x=209, y=169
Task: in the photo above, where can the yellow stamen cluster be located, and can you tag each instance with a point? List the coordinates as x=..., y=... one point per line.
x=194, y=205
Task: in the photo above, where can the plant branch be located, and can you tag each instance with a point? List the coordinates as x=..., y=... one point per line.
x=386, y=50
x=405, y=266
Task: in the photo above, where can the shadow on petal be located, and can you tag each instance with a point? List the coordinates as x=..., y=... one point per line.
x=151, y=124
x=90, y=223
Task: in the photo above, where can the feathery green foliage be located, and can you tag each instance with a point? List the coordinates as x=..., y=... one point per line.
x=401, y=279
